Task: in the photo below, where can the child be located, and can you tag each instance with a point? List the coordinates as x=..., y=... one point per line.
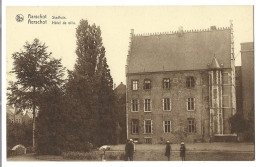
x=182, y=151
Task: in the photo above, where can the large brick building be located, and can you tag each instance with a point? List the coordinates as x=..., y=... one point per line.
x=180, y=85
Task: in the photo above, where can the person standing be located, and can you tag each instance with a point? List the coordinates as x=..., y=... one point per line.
x=168, y=150
x=182, y=151
x=131, y=150
x=127, y=150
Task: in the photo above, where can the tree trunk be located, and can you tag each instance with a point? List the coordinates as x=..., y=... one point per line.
x=33, y=132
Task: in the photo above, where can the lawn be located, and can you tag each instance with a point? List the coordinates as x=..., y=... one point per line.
x=195, y=152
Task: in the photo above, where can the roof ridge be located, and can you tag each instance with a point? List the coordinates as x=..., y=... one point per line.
x=184, y=31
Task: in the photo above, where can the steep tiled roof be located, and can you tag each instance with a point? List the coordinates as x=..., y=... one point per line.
x=120, y=89
x=179, y=51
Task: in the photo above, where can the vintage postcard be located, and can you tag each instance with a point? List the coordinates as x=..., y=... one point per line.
x=129, y=83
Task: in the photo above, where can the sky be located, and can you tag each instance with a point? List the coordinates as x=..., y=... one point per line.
x=116, y=24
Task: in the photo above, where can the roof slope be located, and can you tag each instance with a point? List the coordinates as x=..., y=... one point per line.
x=174, y=52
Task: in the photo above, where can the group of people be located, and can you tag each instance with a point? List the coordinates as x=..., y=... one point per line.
x=168, y=151
x=130, y=149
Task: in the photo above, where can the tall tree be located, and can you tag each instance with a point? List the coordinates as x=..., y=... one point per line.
x=89, y=88
x=36, y=71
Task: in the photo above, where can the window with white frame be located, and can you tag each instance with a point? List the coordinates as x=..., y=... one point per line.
x=147, y=105
x=148, y=140
x=191, y=104
x=166, y=83
x=147, y=126
x=190, y=82
x=166, y=104
x=191, y=125
x=147, y=84
x=135, y=125
x=134, y=105
x=135, y=85
x=167, y=126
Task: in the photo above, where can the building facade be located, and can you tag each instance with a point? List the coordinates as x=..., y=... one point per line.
x=247, y=79
x=180, y=85
x=21, y=118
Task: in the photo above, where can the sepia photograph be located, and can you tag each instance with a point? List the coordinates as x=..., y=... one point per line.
x=129, y=83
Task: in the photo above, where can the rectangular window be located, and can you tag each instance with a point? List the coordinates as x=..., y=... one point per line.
x=190, y=82
x=167, y=126
x=191, y=125
x=148, y=140
x=134, y=105
x=147, y=104
x=166, y=83
x=190, y=104
x=135, y=125
x=166, y=104
x=135, y=85
x=147, y=126
x=225, y=78
x=147, y=84
x=226, y=101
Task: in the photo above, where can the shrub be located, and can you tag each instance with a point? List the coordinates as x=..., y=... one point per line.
x=93, y=155
x=113, y=155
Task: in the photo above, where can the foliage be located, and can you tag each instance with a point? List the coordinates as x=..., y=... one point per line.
x=238, y=123
x=89, y=93
x=93, y=155
x=36, y=71
x=50, y=123
x=82, y=155
x=18, y=133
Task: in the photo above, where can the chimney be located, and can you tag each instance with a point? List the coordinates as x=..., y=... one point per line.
x=213, y=28
x=132, y=32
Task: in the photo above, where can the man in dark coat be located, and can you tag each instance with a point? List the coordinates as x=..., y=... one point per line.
x=182, y=151
x=168, y=150
x=129, y=150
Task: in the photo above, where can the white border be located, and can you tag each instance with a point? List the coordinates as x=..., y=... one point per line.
x=123, y=3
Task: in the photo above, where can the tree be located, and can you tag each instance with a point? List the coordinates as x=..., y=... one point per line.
x=89, y=89
x=51, y=123
x=36, y=71
x=238, y=123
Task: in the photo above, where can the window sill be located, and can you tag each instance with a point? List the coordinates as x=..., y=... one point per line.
x=148, y=111
x=167, y=110
x=134, y=111
x=191, y=110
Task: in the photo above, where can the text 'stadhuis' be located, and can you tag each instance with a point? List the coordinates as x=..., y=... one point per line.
x=180, y=85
